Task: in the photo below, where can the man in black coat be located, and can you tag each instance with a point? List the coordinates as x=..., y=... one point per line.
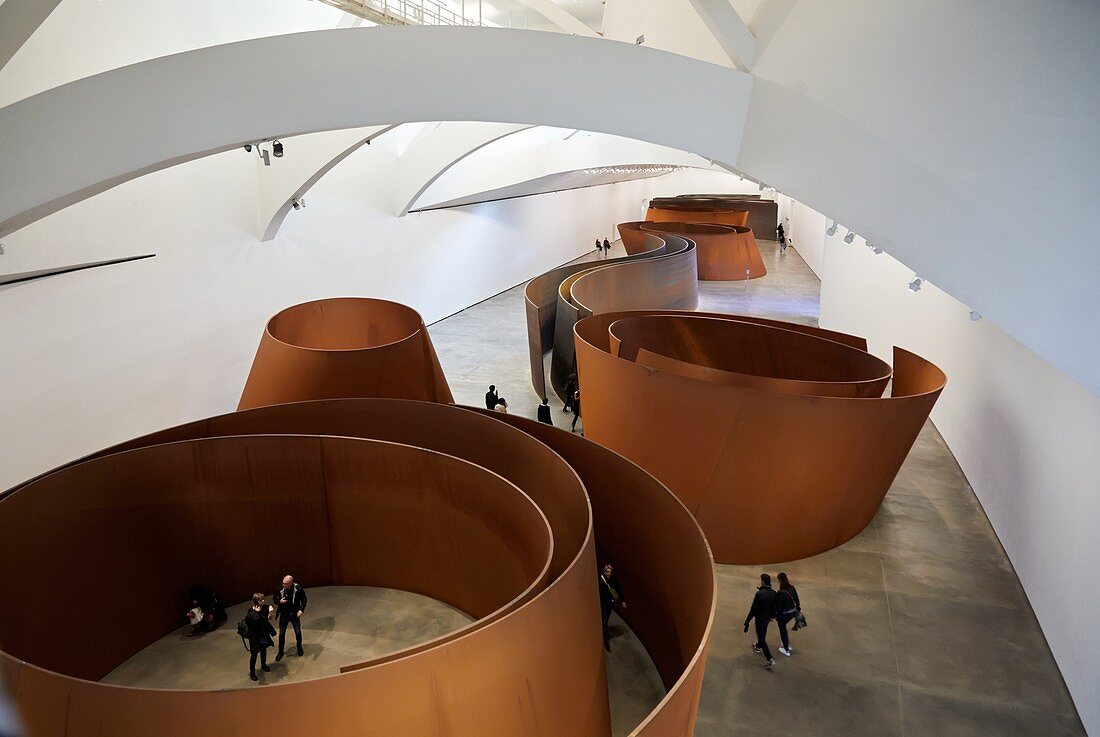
x=544, y=413
x=491, y=397
x=611, y=594
x=763, y=610
x=290, y=603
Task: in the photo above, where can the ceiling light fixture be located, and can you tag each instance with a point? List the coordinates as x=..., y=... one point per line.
x=850, y=237
x=277, y=149
x=832, y=230
x=975, y=316
x=915, y=285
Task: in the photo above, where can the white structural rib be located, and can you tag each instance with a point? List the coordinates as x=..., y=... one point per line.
x=438, y=149
x=209, y=100
x=559, y=16
x=19, y=19
x=729, y=30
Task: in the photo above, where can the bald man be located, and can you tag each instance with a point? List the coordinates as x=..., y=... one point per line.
x=290, y=603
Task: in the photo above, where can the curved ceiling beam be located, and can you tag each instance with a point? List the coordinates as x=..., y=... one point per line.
x=330, y=149
x=166, y=111
x=559, y=16
x=729, y=30
x=436, y=150
x=19, y=19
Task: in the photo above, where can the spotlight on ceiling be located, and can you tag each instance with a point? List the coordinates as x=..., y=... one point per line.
x=1, y=248
x=975, y=316
x=298, y=203
x=248, y=147
x=915, y=285
x=760, y=186
x=277, y=149
x=874, y=249
x=640, y=40
x=849, y=238
x=832, y=229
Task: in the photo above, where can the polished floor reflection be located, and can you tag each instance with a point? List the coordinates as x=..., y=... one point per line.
x=917, y=627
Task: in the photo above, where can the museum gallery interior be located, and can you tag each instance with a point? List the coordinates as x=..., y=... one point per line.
x=563, y=368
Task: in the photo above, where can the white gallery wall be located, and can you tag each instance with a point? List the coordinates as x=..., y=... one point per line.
x=95, y=357
x=1024, y=433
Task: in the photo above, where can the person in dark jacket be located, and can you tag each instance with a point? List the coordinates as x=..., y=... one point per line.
x=212, y=611
x=787, y=606
x=544, y=413
x=491, y=397
x=258, y=622
x=599, y=246
x=763, y=611
x=290, y=603
x=606, y=246
x=576, y=411
x=611, y=595
x=570, y=387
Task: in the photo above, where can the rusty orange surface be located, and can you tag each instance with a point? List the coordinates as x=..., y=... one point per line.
x=701, y=213
x=345, y=347
x=775, y=457
x=724, y=253
x=504, y=530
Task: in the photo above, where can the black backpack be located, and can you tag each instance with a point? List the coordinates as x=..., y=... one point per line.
x=242, y=631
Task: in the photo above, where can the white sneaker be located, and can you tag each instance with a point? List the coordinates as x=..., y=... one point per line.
x=769, y=664
x=785, y=652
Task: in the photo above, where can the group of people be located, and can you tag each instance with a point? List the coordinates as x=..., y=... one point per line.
x=782, y=606
x=258, y=632
x=498, y=403
x=494, y=401
x=603, y=247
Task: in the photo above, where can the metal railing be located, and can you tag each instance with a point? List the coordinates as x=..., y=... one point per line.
x=408, y=12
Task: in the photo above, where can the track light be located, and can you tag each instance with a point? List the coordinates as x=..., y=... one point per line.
x=915, y=285
x=832, y=229
x=874, y=249
x=248, y=147
x=298, y=203
x=849, y=237
x=277, y=149
x=265, y=156
x=640, y=40
x=975, y=316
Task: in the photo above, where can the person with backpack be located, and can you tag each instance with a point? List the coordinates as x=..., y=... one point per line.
x=788, y=607
x=763, y=611
x=256, y=630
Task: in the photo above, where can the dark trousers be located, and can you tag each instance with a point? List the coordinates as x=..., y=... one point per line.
x=761, y=638
x=605, y=611
x=296, y=622
x=576, y=416
x=257, y=650
x=781, y=619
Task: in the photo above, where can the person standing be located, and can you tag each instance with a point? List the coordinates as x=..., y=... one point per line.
x=570, y=387
x=502, y=405
x=611, y=594
x=491, y=397
x=291, y=604
x=576, y=410
x=763, y=611
x=787, y=607
x=258, y=623
x=544, y=413
x=599, y=245
x=781, y=232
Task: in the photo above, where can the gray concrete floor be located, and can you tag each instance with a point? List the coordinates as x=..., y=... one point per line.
x=917, y=627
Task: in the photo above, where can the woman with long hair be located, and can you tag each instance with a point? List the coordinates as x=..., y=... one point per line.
x=788, y=608
x=260, y=632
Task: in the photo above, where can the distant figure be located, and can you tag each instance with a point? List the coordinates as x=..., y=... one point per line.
x=606, y=246
x=599, y=245
x=544, y=413
x=491, y=397
x=291, y=603
x=779, y=230
x=570, y=387
x=611, y=594
x=502, y=405
x=788, y=607
x=576, y=410
x=207, y=613
x=257, y=622
x=763, y=611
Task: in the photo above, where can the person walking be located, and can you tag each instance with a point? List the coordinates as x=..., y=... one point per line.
x=606, y=246
x=258, y=623
x=763, y=611
x=781, y=232
x=611, y=594
x=570, y=387
x=291, y=601
x=544, y=413
x=787, y=608
x=599, y=245
x=576, y=410
x=491, y=397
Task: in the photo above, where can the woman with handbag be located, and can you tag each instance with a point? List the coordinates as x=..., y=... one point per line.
x=789, y=607
x=260, y=632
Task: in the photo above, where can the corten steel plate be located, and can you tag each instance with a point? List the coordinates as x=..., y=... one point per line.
x=724, y=253
x=702, y=213
x=633, y=237
x=504, y=530
x=781, y=448
x=763, y=214
x=662, y=276
x=345, y=347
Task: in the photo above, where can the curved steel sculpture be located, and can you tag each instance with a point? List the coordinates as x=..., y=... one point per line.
x=662, y=275
x=505, y=531
x=724, y=252
x=345, y=347
x=717, y=214
x=763, y=214
x=774, y=435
